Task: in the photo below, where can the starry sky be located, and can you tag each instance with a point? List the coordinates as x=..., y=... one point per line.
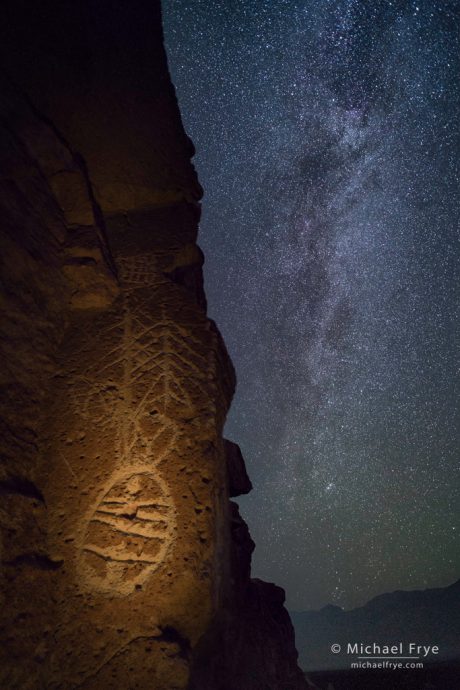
x=327, y=137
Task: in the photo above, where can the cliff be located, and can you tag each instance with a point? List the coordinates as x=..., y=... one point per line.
x=123, y=562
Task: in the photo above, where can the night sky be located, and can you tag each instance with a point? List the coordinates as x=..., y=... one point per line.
x=327, y=137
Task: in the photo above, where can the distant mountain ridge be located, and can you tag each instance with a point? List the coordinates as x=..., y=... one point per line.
x=425, y=617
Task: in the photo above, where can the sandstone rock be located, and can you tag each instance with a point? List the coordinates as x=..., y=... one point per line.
x=122, y=560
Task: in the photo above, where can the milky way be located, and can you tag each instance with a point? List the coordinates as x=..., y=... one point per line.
x=328, y=147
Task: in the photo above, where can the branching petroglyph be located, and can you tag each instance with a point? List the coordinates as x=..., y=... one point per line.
x=144, y=384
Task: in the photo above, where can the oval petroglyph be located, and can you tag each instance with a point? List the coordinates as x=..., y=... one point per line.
x=129, y=533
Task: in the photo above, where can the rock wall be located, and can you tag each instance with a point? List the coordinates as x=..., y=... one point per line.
x=123, y=563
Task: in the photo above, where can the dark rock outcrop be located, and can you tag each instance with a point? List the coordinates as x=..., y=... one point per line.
x=123, y=563
x=238, y=480
x=251, y=645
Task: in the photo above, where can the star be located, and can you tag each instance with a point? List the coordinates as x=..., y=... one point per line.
x=327, y=145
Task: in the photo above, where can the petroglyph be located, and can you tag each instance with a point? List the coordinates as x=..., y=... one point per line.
x=153, y=374
x=138, y=271
x=152, y=367
x=128, y=534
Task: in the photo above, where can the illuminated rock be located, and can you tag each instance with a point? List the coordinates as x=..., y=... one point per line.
x=122, y=557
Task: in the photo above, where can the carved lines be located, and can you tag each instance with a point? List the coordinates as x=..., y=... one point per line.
x=138, y=271
x=129, y=532
x=154, y=371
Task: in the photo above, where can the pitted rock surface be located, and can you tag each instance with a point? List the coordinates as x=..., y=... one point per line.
x=123, y=562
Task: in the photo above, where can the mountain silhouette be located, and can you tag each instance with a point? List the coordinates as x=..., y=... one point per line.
x=429, y=617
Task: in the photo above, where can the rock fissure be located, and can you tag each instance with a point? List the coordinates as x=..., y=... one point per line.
x=21, y=486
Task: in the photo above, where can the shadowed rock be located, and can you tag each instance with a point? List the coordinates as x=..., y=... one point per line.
x=122, y=561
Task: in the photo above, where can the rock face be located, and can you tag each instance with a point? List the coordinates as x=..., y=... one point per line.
x=123, y=563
